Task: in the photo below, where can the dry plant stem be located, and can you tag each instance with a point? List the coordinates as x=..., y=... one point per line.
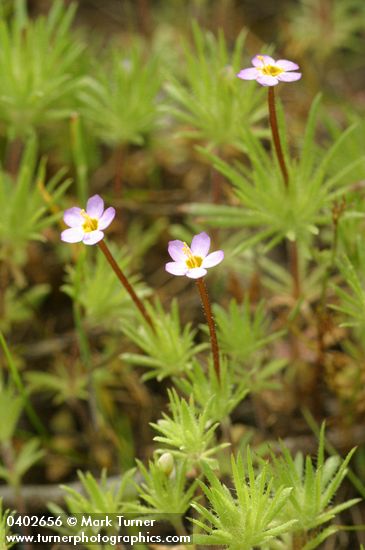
x=210, y=320
x=123, y=279
x=293, y=249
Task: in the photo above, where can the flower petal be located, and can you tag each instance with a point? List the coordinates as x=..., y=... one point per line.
x=196, y=273
x=200, y=245
x=176, y=251
x=107, y=218
x=95, y=206
x=249, y=74
x=286, y=65
x=72, y=235
x=289, y=77
x=176, y=268
x=72, y=217
x=261, y=60
x=93, y=237
x=267, y=80
x=213, y=259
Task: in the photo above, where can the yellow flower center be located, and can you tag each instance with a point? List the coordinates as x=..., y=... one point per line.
x=90, y=224
x=192, y=261
x=270, y=70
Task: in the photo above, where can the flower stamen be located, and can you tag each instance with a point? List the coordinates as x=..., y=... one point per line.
x=90, y=224
x=192, y=261
x=270, y=70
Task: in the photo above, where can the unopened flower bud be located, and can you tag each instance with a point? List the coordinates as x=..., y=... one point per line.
x=166, y=463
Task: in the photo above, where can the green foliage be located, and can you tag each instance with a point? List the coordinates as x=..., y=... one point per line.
x=288, y=499
x=23, y=211
x=212, y=100
x=18, y=383
x=164, y=494
x=351, y=148
x=79, y=156
x=272, y=210
x=168, y=348
x=120, y=101
x=97, y=289
x=244, y=519
x=4, y=528
x=65, y=384
x=100, y=497
x=189, y=431
x=352, y=301
x=97, y=497
x=310, y=502
x=38, y=64
x=20, y=305
x=244, y=337
x=21, y=461
x=223, y=394
x=341, y=23
x=242, y=333
x=11, y=407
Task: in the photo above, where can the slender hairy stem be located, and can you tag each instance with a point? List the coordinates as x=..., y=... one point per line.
x=210, y=320
x=292, y=248
x=275, y=134
x=123, y=279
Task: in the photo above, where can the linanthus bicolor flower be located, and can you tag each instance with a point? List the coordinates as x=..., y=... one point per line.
x=193, y=261
x=268, y=72
x=87, y=226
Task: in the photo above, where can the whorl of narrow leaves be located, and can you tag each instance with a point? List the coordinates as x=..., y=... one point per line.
x=210, y=101
x=271, y=210
x=283, y=500
x=24, y=210
x=164, y=494
x=189, y=432
x=121, y=102
x=99, y=496
x=39, y=68
x=169, y=349
x=247, y=517
x=104, y=300
x=227, y=391
x=313, y=486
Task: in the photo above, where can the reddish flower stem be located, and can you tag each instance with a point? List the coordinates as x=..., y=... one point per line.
x=292, y=246
x=210, y=320
x=123, y=279
x=275, y=134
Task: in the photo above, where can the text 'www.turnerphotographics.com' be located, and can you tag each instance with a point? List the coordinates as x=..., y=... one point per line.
x=91, y=529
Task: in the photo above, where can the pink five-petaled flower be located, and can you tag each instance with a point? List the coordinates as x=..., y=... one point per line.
x=87, y=226
x=193, y=261
x=269, y=72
